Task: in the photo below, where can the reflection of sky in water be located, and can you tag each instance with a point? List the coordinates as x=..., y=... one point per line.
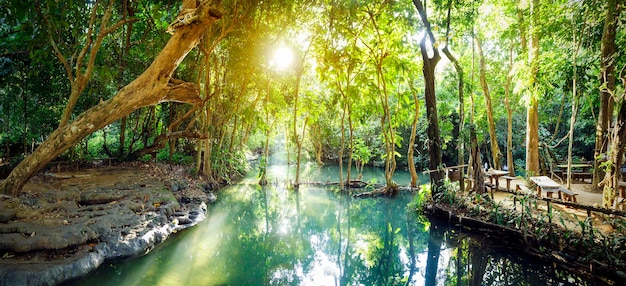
x=274, y=236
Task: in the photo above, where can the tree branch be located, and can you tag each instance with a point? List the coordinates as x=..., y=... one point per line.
x=55, y=48
x=83, y=51
x=429, y=32
x=181, y=91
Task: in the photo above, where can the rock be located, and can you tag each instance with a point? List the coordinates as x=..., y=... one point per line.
x=211, y=197
x=190, y=200
x=179, y=185
x=6, y=215
x=210, y=186
x=122, y=213
x=184, y=221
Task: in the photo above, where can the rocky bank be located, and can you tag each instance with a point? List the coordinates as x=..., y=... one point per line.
x=66, y=224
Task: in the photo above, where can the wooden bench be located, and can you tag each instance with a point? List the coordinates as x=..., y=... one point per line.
x=549, y=192
x=581, y=176
x=567, y=195
x=523, y=190
x=508, y=182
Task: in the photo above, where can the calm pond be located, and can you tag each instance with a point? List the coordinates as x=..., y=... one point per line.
x=318, y=236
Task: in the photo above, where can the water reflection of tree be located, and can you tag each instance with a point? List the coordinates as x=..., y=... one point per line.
x=372, y=242
x=435, y=240
x=384, y=243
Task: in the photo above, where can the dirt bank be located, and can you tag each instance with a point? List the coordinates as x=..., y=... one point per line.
x=65, y=224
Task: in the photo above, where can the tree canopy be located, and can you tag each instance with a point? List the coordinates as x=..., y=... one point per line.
x=352, y=89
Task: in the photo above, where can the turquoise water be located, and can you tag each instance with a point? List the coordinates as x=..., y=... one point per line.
x=319, y=236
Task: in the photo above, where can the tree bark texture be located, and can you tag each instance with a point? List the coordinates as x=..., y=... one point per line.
x=495, y=148
x=616, y=153
x=411, y=147
x=434, y=139
x=509, y=111
x=153, y=86
x=532, y=113
x=476, y=168
x=607, y=82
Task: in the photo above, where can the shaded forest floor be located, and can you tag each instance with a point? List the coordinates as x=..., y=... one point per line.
x=107, y=212
x=566, y=216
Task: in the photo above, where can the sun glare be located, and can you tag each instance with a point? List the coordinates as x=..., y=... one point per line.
x=283, y=58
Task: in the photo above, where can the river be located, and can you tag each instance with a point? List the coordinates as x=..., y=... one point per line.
x=319, y=236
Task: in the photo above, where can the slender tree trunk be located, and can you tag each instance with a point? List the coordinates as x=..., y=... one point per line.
x=343, y=116
x=266, y=152
x=299, y=155
x=532, y=113
x=411, y=147
x=509, y=111
x=208, y=144
x=607, y=81
x=495, y=148
x=130, y=12
x=351, y=143
x=570, y=145
x=153, y=86
x=316, y=137
x=388, y=132
x=459, y=71
x=123, y=122
x=171, y=141
x=297, y=139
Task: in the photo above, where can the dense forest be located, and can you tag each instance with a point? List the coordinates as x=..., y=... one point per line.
x=519, y=85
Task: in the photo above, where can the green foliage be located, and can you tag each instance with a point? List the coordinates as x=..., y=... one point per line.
x=357, y=61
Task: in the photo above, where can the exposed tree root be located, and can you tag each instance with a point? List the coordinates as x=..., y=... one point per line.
x=353, y=184
x=384, y=191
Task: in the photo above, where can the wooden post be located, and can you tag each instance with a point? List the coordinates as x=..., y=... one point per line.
x=549, y=217
x=590, y=224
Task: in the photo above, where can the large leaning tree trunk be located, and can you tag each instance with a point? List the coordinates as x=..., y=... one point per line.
x=607, y=81
x=434, y=139
x=153, y=86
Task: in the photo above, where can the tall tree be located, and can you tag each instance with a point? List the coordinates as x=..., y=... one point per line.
x=532, y=112
x=427, y=45
x=410, y=157
x=459, y=71
x=493, y=138
x=509, y=111
x=607, y=83
x=153, y=86
x=616, y=154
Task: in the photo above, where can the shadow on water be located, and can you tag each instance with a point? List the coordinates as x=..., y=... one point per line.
x=319, y=236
